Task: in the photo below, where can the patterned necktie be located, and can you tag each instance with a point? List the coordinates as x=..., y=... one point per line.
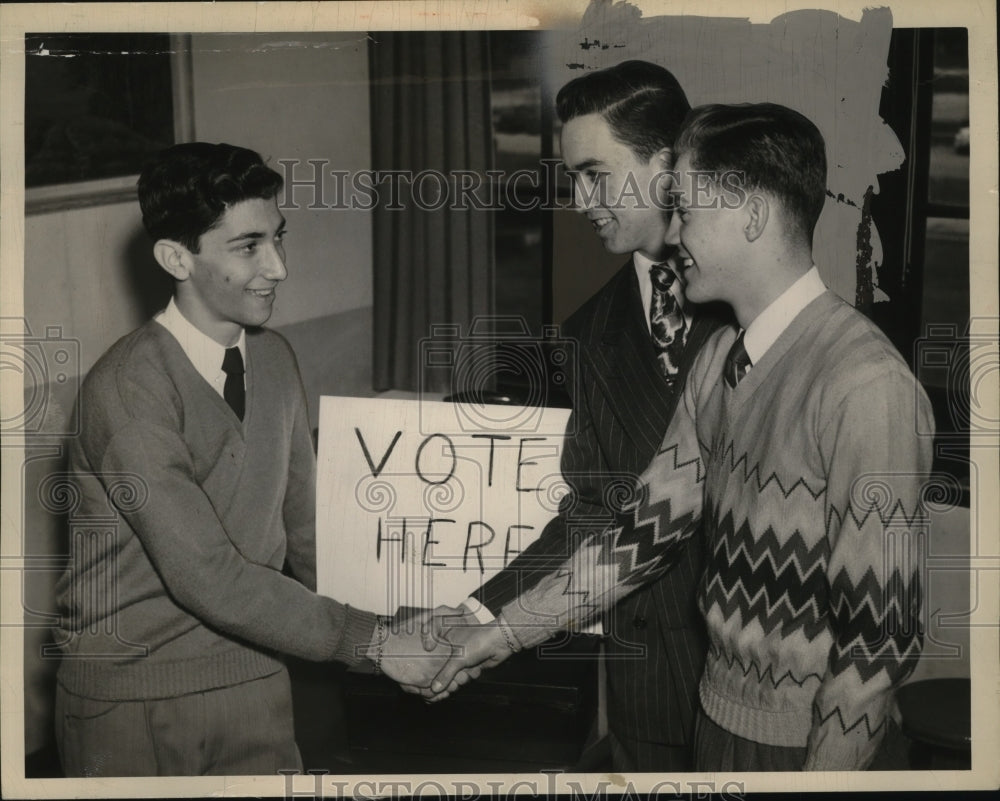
x=234, y=391
x=666, y=321
x=737, y=362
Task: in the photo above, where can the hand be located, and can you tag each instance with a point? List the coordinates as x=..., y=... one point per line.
x=397, y=648
x=404, y=655
x=435, y=626
x=474, y=648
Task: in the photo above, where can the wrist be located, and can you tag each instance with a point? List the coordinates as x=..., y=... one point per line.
x=477, y=610
x=510, y=638
x=375, y=648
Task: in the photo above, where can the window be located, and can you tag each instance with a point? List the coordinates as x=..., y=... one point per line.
x=519, y=103
x=922, y=214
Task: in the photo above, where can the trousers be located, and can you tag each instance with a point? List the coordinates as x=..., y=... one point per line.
x=246, y=729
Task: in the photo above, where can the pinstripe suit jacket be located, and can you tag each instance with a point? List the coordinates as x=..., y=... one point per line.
x=621, y=408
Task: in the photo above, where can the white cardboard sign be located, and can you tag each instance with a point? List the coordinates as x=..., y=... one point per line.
x=420, y=502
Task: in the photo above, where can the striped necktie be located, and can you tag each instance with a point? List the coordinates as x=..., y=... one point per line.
x=666, y=320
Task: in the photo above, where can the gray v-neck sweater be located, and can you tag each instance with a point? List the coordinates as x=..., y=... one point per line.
x=180, y=524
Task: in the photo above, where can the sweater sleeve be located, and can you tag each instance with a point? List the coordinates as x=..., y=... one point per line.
x=582, y=467
x=299, y=508
x=201, y=568
x=640, y=546
x=877, y=466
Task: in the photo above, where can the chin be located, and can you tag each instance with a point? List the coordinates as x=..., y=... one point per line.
x=691, y=291
x=616, y=249
x=255, y=321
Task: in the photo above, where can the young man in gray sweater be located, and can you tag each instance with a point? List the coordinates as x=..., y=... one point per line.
x=196, y=465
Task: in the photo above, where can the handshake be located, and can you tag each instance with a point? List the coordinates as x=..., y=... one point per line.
x=432, y=653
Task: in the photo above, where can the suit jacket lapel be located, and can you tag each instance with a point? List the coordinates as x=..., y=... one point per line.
x=628, y=372
x=626, y=356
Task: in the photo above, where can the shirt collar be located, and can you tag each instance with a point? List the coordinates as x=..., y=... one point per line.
x=204, y=352
x=770, y=323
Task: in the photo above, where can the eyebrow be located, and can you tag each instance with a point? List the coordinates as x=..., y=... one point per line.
x=256, y=234
x=583, y=165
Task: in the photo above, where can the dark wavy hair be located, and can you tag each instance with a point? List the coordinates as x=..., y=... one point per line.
x=642, y=103
x=185, y=189
x=773, y=148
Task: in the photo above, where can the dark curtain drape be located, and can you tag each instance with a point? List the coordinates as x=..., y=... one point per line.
x=430, y=111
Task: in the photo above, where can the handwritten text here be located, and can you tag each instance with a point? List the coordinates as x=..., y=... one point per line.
x=413, y=514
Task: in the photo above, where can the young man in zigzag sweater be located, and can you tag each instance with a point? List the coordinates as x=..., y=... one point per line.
x=796, y=448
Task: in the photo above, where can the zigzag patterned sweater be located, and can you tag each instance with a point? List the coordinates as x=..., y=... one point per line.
x=812, y=475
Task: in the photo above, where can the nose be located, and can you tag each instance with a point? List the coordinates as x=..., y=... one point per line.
x=673, y=235
x=583, y=195
x=274, y=269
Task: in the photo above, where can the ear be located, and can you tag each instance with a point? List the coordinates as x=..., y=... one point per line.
x=174, y=258
x=756, y=210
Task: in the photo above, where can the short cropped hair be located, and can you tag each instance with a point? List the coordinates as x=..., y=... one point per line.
x=643, y=104
x=773, y=148
x=185, y=189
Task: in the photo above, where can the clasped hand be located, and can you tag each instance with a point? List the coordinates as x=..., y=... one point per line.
x=434, y=652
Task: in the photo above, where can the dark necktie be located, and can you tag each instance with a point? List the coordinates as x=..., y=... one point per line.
x=666, y=321
x=737, y=362
x=234, y=391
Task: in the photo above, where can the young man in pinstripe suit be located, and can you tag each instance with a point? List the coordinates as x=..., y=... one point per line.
x=618, y=128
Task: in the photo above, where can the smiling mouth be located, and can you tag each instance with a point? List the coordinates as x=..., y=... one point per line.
x=600, y=222
x=262, y=293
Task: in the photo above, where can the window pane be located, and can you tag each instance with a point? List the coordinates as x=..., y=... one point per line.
x=96, y=105
x=516, y=106
x=946, y=275
x=942, y=354
x=519, y=265
x=516, y=99
x=949, y=163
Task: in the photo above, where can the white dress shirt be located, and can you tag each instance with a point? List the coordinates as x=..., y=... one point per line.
x=771, y=323
x=204, y=352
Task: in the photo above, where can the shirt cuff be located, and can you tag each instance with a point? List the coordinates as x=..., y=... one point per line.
x=481, y=613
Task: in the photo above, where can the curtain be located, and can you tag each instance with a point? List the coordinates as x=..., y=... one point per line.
x=430, y=110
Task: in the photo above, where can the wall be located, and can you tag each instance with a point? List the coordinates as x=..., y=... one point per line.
x=297, y=96
x=90, y=271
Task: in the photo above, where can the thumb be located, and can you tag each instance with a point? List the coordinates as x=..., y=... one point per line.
x=434, y=625
x=442, y=681
x=431, y=633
